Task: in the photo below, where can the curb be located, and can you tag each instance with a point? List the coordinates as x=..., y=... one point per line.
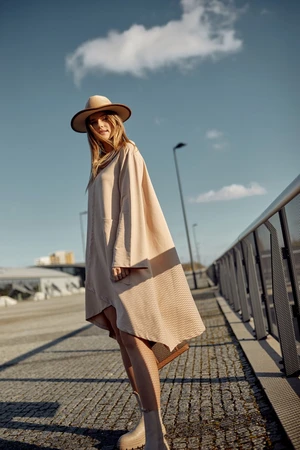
x=281, y=395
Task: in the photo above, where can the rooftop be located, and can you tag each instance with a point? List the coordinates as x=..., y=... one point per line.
x=31, y=272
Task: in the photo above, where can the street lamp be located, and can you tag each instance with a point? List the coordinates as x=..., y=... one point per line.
x=196, y=243
x=82, y=233
x=181, y=144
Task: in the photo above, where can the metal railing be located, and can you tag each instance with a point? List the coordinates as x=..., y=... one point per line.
x=259, y=275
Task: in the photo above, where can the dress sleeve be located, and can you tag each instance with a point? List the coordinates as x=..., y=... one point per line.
x=130, y=249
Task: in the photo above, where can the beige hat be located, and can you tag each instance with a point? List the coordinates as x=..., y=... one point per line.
x=94, y=104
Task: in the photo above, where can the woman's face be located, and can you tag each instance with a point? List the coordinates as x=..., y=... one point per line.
x=100, y=123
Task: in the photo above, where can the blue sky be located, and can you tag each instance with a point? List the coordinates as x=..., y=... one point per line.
x=222, y=77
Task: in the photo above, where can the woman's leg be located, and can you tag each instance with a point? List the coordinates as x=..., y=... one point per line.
x=136, y=437
x=139, y=362
x=128, y=367
x=147, y=379
x=141, y=367
x=145, y=370
x=110, y=314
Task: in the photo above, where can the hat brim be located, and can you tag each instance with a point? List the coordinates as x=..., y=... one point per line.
x=78, y=121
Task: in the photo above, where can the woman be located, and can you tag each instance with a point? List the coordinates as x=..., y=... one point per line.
x=135, y=286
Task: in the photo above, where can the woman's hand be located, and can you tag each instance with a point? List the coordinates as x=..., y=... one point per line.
x=118, y=273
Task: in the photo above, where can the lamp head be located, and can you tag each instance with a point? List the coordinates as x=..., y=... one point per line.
x=181, y=144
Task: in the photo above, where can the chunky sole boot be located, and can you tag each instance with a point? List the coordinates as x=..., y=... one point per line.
x=135, y=438
x=155, y=439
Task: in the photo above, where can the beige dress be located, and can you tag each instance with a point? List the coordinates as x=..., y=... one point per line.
x=126, y=228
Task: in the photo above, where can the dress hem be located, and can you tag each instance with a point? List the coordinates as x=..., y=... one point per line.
x=170, y=346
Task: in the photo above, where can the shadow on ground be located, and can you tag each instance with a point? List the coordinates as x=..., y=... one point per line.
x=12, y=412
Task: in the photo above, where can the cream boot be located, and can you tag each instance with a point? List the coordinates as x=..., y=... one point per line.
x=136, y=437
x=155, y=439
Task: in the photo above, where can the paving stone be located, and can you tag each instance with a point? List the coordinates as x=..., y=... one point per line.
x=71, y=392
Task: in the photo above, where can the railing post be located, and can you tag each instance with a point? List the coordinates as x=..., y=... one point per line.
x=230, y=295
x=221, y=281
x=258, y=317
x=290, y=259
x=235, y=295
x=282, y=308
x=241, y=286
x=263, y=284
x=224, y=279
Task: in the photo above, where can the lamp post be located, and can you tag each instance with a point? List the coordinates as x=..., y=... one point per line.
x=82, y=233
x=196, y=243
x=181, y=144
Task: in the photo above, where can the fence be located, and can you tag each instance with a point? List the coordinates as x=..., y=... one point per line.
x=259, y=275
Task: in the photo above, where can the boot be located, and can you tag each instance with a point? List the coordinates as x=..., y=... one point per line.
x=155, y=439
x=136, y=437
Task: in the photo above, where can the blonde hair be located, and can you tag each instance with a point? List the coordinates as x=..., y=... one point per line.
x=118, y=138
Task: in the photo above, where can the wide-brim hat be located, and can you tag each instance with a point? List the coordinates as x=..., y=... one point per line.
x=94, y=104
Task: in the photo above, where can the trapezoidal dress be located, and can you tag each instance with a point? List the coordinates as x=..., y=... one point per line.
x=126, y=228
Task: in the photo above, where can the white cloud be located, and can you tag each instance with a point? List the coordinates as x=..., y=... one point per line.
x=205, y=30
x=233, y=192
x=213, y=134
x=220, y=145
x=217, y=137
x=265, y=11
x=158, y=120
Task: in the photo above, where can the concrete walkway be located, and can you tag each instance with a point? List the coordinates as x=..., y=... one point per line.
x=63, y=386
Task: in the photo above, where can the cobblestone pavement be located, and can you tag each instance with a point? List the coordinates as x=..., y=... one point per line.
x=63, y=386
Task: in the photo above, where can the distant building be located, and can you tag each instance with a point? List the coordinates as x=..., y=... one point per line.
x=59, y=257
x=62, y=257
x=43, y=261
x=76, y=269
x=25, y=282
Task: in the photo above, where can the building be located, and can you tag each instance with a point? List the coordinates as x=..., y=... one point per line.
x=43, y=261
x=58, y=257
x=77, y=269
x=25, y=283
x=62, y=257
